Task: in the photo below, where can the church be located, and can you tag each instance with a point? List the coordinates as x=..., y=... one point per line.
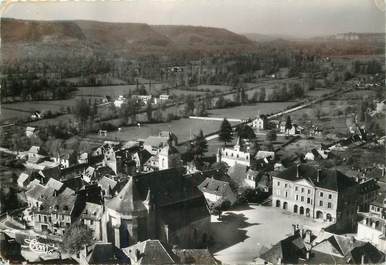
x=164, y=205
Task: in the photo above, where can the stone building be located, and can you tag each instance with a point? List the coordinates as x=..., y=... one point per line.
x=164, y=205
x=328, y=195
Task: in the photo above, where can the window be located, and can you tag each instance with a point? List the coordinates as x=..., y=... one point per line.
x=278, y=183
x=330, y=196
x=297, y=197
x=302, y=190
x=308, y=200
x=309, y=191
x=296, y=188
x=302, y=198
x=286, y=194
x=45, y=219
x=329, y=205
x=321, y=194
x=286, y=185
x=320, y=203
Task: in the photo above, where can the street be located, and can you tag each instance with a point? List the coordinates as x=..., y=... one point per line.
x=245, y=233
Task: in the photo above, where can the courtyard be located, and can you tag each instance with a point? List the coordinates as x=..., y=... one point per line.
x=248, y=231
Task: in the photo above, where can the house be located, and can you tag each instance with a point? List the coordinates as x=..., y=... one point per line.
x=142, y=99
x=368, y=193
x=195, y=256
x=23, y=180
x=259, y=123
x=156, y=252
x=153, y=144
x=261, y=154
x=235, y=155
x=120, y=101
x=259, y=73
x=54, y=212
x=162, y=98
x=169, y=157
x=64, y=158
x=30, y=131
x=217, y=191
x=36, y=115
x=98, y=253
x=339, y=249
x=294, y=130
x=291, y=250
x=107, y=185
x=373, y=226
x=322, y=194
x=150, y=252
x=150, y=205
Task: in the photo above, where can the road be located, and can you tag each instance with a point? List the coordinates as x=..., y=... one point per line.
x=304, y=105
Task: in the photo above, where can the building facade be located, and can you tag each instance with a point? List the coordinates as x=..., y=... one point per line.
x=327, y=195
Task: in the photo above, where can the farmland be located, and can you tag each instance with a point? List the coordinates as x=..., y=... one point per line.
x=183, y=128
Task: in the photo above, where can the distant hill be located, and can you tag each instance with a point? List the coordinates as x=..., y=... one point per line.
x=42, y=38
x=257, y=37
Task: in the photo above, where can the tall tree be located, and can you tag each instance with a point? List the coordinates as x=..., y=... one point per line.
x=225, y=134
x=288, y=123
x=262, y=94
x=149, y=110
x=271, y=136
x=245, y=131
x=76, y=237
x=82, y=111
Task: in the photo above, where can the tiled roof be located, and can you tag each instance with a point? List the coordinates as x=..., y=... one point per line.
x=63, y=202
x=55, y=184
x=150, y=252
x=127, y=201
x=107, y=183
x=288, y=250
x=53, y=172
x=213, y=186
x=156, y=141
x=195, y=256
x=92, y=211
x=325, y=178
x=370, y=255
x=36, y=192
x=102, y=253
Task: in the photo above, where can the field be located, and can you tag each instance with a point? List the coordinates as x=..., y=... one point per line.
x=183, y=128
x=248, y=111
x=115, y=91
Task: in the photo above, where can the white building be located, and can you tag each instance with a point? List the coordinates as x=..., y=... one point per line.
x=373, y=227
x=217, y=191
x=119, y=101
x=258, y=123
x=234, y=155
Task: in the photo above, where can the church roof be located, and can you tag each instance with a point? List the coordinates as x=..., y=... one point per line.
x=127, y=201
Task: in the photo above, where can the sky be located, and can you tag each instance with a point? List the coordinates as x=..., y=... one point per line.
x=302, y=18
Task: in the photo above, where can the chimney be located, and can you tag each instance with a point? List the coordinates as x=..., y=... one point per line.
x=363, y=259
x=307, y=238
x=318, y=176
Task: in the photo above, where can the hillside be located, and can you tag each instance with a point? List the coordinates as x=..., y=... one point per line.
x=47, y=38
